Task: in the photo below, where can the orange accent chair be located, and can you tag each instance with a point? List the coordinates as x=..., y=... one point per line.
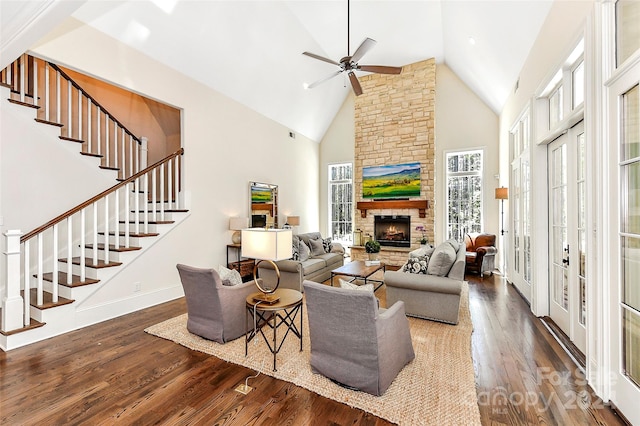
x=481, y=252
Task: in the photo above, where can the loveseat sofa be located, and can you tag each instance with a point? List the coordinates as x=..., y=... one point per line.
x=432, y=294
x=317, y=267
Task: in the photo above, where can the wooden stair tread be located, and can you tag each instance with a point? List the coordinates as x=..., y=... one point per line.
x=32, y=324
x=47, y=299
x=51, y=123
x=133, y=234
x=62, y=279
x=88, y=262
x=112, y=247
x=91, y=154
x=176, y=211
x=66, y=138
x=17, y=102
x=109, y=168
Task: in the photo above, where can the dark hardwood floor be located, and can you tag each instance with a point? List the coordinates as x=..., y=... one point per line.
x=114, y=373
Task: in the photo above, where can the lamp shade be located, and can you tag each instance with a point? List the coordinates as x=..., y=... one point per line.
x=502, y=193
x=238, y=223
x=293, y=220
x=267, y=244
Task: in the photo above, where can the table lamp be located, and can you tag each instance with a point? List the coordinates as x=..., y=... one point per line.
x=292, y=221
x=236, y=224
x=267, y=245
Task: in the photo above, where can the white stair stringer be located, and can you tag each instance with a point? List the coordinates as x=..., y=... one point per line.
x=66, y=318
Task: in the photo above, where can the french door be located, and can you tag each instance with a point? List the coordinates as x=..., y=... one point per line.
x=624, y=200
x=567, y=235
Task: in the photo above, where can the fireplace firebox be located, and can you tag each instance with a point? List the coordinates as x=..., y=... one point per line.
x=394, y=231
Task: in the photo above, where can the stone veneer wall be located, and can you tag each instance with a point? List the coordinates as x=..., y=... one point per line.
x=394, y=122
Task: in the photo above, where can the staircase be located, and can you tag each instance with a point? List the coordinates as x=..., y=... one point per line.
x=54, y=269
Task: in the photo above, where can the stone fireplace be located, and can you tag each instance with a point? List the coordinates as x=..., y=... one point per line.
x=395, y=124
x=393, y=231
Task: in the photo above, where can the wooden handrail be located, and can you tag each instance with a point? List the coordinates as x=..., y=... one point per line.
x=101, y=195
x=77, y=86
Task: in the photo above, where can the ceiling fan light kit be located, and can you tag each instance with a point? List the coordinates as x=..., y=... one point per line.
x=349, y=63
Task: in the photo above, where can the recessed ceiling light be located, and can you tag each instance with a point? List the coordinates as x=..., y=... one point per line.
x=305, y=85
x=472, y=41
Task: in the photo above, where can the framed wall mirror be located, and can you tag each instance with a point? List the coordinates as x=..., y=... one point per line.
x=263, y=201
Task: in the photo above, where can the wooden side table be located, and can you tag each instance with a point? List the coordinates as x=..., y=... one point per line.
x=243, y=266
x=284, y=311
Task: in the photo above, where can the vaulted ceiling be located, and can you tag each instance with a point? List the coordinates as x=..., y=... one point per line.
x=251, y=51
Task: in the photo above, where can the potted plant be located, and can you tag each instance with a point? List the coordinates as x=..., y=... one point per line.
x=423, y=240
x=373, y=248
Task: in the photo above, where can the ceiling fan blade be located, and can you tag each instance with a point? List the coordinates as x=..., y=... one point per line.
x=322, y=80
x=364, y=47
x=357, y=89
x=321, y=58
x=380, y=69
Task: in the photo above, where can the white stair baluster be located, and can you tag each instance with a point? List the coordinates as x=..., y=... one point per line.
x=169, y=185
x=54, y=261
x=27, y=282
x=40, y=286
x=136, y=214
x=106, y=141
x=146, y=203
x=154, y=189
x=83, y=260
x=23, y=66
x=36, y=101
x=99, y=129
x=115, y=144
x=58, y=99
x=69, y=249
x=47, y=91
x=95, y=233
x=69, y=109
x=127, y=207
x=116, y=219
x=80, y=136
x=89, y=129
x=106, y=229
x=162, y=185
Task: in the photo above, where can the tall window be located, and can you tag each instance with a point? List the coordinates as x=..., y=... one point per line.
x=341, y=202
x=464, y=193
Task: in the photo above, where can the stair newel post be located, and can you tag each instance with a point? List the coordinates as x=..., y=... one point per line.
x=12, y=303
x=83, y=260
x=40, y=283
x=106, y=229
x=54, y=261
x=69, y=249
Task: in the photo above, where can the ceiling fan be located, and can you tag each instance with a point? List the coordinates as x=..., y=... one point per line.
x=349, y=63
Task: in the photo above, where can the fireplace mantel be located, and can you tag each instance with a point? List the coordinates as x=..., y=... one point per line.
x=421, y=205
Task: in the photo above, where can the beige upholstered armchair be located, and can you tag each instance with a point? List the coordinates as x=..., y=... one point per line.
x=353, y=342
x=216, y=311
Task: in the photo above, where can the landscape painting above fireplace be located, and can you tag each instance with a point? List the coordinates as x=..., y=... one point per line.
x=392, y=181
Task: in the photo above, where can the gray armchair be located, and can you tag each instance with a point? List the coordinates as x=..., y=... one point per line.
x=352, y=341
x=216, y=311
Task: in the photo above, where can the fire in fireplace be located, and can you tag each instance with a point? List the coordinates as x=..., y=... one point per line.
x=394, y=231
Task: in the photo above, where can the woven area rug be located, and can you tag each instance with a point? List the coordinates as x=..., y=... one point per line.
x=436, y=388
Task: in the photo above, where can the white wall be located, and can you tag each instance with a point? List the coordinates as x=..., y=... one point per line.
x=337, y=146
x=226, y=146
x=464, y=122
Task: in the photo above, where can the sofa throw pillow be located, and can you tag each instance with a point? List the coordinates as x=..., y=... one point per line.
x=229, y=277
x=441, y=260
x=303, y=251
x=327, y=244
x=317, y=248
x=352, y=286
x=422, y=251
x=416, y=265
x=454, y=243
